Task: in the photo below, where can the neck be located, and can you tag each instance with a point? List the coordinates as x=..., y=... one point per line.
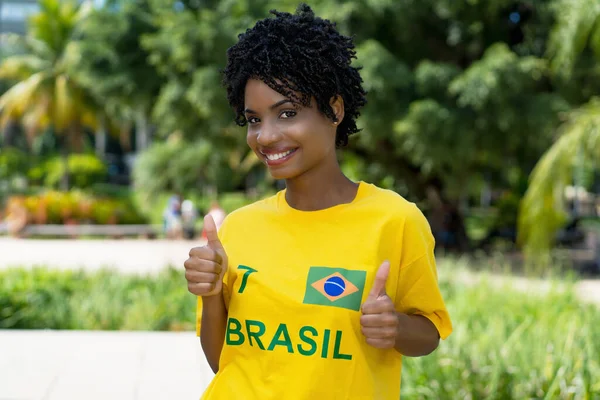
x=317, y=190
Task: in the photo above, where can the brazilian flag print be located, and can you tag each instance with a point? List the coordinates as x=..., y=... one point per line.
x=335, y=287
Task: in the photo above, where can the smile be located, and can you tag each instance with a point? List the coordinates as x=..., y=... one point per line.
x=279, y=158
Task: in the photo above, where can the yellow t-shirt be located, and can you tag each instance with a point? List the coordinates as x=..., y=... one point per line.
x=294, y=287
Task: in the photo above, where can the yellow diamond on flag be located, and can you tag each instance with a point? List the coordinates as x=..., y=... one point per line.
x=335, y=287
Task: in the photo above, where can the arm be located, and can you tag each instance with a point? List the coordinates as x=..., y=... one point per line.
x=384, y=327
x=212, y=330
x=416, y=335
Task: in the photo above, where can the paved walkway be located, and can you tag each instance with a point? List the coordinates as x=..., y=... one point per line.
x=72, y=365
x=124, y=255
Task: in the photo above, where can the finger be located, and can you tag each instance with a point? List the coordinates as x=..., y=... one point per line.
x=211, y=233
x=381, y=343
x=378, y=306
x=381, y=276
x=379, y=320
x=200, y=289
x=379, y=333
x=206, y=253
x=195, y=264
x=201, y=277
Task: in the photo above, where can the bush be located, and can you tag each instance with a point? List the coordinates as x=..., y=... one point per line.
x=84, y=171
x=54, y=207
x=13, y=163
x=104, y=300
x=511, y=345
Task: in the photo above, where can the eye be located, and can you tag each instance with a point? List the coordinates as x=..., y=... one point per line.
x=252, y=120
x=286, y=114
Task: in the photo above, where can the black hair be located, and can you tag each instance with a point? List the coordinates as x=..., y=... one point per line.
x=300, y=56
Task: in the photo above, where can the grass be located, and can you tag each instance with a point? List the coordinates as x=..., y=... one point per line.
x=510, y=344
x=105, y=300
x=506, y=344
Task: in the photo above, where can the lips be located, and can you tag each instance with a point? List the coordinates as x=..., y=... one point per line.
x=278, y=156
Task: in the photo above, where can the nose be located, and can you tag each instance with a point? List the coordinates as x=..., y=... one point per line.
x=267, y=135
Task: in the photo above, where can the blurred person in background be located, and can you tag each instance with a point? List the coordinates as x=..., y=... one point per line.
x=318, y=291
x=172, y=222
x=189, y=216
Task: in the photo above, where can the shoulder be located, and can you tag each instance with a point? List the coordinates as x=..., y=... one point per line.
x=395, y=205
x=257, y=210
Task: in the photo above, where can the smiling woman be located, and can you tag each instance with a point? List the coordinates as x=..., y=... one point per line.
x=319, y=290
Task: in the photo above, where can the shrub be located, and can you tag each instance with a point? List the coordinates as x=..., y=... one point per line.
x=84, y=171
x=54, y=207
x=13, y=163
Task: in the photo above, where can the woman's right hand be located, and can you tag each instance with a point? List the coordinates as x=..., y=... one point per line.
x=206, y=265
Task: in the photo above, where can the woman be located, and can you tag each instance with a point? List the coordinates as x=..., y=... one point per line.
x=318, y=291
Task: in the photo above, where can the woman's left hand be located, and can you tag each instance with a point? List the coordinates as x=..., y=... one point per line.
x=379, y=320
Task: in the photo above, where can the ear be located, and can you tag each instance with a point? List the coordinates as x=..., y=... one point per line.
x=337, y=105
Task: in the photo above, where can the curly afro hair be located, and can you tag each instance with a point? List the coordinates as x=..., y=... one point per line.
x=300, y=56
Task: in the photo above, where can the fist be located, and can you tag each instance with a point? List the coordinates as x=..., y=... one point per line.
x=379, y=320
x=206, y=265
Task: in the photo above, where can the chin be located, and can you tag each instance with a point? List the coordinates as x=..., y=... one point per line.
x=283, y=174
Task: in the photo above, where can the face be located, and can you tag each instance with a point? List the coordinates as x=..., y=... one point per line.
x=289, y=138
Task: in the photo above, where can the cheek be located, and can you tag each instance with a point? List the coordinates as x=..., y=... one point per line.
x=251, y=139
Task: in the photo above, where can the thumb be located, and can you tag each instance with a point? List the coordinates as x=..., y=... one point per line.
x=210, y=228
x=381, y=277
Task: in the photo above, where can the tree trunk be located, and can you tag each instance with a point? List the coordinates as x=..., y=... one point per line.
x=447, y=222
x=101, y=138
x=142, y=132
x=65, y=183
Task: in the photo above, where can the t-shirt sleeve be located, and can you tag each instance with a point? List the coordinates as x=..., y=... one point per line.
x=226, y=292
x=418, y=292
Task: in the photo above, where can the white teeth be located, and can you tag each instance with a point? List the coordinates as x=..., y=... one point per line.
x=277, y=156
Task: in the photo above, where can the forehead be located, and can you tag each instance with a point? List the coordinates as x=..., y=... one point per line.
x=258, y=92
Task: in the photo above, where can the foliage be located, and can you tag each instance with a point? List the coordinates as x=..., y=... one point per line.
x=182, y=167
x=114, y=66
x=543, y=345
x=575, y=40
x=475, y=88
x=13, y=163
x=54, y=207
x=84, y=170
x=45, y=93
x=47, y=299
x=536, y=347
x=463, y=95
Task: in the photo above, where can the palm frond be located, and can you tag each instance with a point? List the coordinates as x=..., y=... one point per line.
x=21, y=67
x=15, y=101
x=576, y=21
x=543, y=209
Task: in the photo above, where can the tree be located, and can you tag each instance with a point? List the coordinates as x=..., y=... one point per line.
x=575, y=52
x=459, y=98
x=114, y=66
x=46, y=94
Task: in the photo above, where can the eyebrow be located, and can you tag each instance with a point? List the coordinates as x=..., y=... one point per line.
x=280, y=102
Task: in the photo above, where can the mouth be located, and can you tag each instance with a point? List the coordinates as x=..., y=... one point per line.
x=273, y=159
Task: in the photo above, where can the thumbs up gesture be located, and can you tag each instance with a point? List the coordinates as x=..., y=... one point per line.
x=379, y=320
x=206, y=265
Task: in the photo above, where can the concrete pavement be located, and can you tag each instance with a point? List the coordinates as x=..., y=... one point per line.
x=73, y=365
x=137, y=256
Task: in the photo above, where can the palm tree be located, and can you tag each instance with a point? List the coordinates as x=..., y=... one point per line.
x=46, y=94
x=576, y=32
